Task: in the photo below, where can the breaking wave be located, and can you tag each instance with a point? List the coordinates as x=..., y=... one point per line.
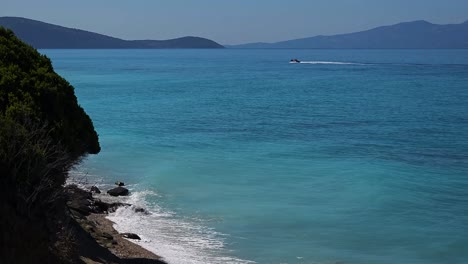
x=176, y=239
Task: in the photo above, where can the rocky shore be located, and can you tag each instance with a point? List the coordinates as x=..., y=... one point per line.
x=97, y=240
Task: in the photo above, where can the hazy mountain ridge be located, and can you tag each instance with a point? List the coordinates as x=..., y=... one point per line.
x=43, y=35
x=407, y=35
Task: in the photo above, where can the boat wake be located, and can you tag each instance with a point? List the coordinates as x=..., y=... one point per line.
x=328, y=62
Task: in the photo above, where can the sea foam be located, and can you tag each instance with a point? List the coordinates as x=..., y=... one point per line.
x=177, y=240
x=162, y=232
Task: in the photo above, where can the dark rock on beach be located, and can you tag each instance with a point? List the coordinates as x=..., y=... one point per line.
x=131, y=236
x=141, y=210
x=80, y=202
x=118, y=191
x=103, y=207
x=95, y=189
x=100, y=206
x=107, y=236
x=119, y=183
x=114, y=206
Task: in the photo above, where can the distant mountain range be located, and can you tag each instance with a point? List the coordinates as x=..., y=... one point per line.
x=408, y=35
x=48, y=36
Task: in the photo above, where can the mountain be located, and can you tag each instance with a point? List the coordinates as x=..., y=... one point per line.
x=42, y=35
x=408, y=35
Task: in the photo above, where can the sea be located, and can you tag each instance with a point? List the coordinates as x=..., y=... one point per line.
x=239, y=156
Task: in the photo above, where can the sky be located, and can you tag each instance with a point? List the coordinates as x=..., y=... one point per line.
x=233, y=21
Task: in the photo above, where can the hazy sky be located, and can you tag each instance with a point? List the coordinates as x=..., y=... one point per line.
x=233, y=21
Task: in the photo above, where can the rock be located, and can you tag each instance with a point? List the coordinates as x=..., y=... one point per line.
x=75, y=193
x=140, y=210
x=119, y=191
x=101, y=207
x=79, y=201
x=131, y=236
x=89, y=228
x=107, y=236
x=119, y=183
x=114, y=206
x=80, y=206
x=77, y=215
x=95, y=189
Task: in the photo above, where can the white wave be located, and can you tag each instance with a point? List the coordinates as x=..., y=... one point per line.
x=162, y=232
x=177, y=240
x=328, y=62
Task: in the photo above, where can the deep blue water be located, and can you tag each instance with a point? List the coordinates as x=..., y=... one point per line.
x=358, y=156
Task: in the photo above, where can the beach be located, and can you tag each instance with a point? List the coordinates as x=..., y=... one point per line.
x=97, y=240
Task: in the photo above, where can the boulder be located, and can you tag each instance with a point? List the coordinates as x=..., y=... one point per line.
x=79, y=201
x=119, y=183
x=118, y=191
x=75, y=193
x=95, y=189
x=107, y=236
x=141, y=210
x=131, y=236
x=82, y=206
x=114, y=206
x=101, y=207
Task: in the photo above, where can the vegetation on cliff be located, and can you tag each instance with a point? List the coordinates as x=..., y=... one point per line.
x=43, y=133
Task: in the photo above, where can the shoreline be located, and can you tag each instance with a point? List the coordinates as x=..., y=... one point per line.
x=96, y=238
x=123, y=248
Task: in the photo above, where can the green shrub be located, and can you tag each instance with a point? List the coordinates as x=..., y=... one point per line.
x=30, y=87
x=43, y=133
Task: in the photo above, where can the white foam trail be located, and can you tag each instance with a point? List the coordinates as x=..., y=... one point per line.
x=329, y=62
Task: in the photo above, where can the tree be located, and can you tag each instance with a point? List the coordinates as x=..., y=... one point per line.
x=43, y=133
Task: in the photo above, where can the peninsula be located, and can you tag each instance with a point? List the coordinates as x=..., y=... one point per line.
x=43, y=35
x=408, y=35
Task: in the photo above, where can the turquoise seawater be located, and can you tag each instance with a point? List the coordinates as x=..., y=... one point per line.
x=354, y=156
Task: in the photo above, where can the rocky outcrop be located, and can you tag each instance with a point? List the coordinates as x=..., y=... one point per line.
x=96, y=232
x=118, y=191
x=141, y=210
x=119, y=183
x=95, y=189
x=104, y=207
x=131, y=236
x=81, y=203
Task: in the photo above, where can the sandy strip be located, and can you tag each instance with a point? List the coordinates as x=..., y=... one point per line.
x=123, y=248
